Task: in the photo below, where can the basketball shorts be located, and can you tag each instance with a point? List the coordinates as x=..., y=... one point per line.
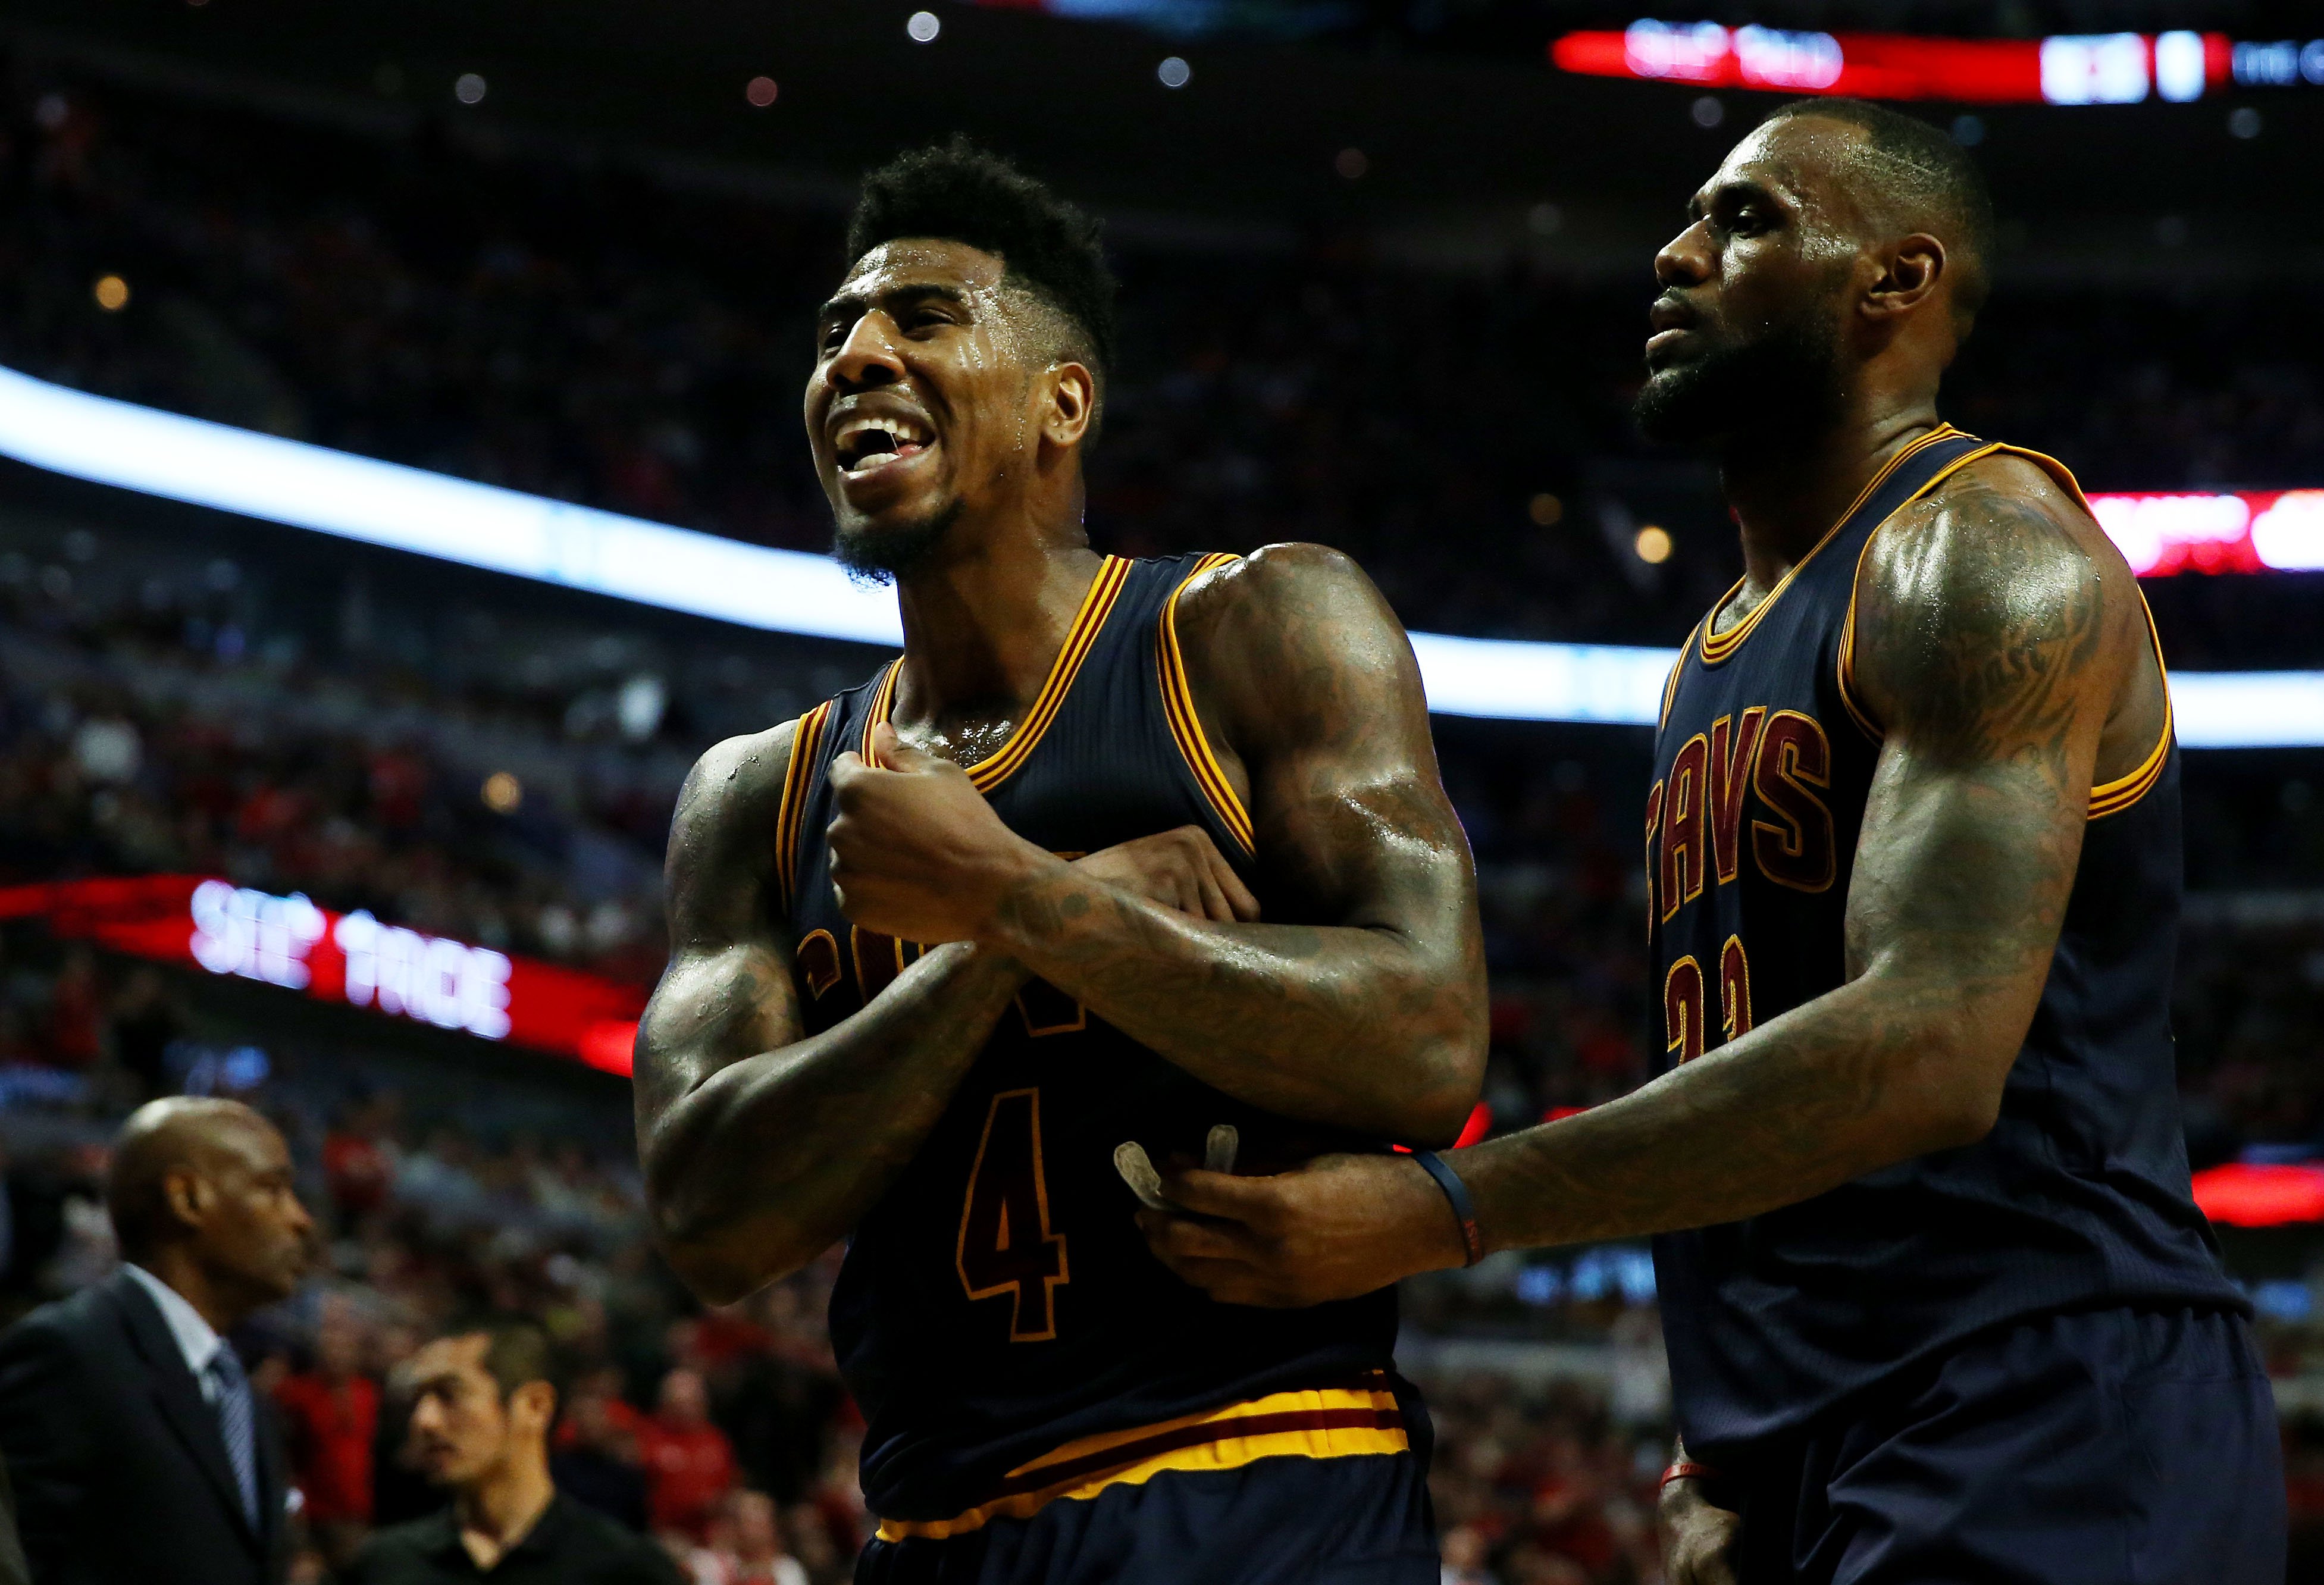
x=1300, y=1489
x=2116, y=1447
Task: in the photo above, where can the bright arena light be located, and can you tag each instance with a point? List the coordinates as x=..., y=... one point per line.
x=924, y=26
x=361, y=498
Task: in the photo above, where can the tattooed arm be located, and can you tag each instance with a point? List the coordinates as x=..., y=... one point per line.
x=1361, y=1001
x=762, y=1148
x=1999, y=641
x=761, y=1144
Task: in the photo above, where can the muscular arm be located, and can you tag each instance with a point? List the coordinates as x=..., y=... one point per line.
x=1361, y=1002
x=762, y=1148
x=1991, y=641
x=1996, y=632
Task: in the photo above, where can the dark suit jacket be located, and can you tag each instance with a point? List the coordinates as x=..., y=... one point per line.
x=120, y=1469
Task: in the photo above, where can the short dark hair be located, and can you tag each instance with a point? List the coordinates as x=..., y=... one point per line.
x=1927, y=177
x=516, y=1352
x=962, y=193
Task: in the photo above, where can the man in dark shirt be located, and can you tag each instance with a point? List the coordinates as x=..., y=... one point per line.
x=482, y=1403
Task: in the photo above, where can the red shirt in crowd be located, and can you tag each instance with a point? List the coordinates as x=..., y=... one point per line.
x=689, y=1469
x=329, y=1427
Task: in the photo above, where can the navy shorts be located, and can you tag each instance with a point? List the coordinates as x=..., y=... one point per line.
x=1358, y=1520
x=2116, y=1447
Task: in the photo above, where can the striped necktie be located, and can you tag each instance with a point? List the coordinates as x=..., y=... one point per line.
x=234, y=1412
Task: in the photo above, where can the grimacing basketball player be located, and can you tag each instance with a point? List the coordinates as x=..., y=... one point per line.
x=1117, y=854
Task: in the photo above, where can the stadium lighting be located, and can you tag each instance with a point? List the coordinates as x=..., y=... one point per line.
x=290, y=482
x=760, y=92
x=469, y=89
x=923, y=27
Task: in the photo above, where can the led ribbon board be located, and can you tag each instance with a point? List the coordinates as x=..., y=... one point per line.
x=351, y=959
x=360, y=498
x=2067, y=68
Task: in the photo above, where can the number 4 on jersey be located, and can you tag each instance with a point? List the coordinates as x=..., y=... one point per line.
x=1006, y=1245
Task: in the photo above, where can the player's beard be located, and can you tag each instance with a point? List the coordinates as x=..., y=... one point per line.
x=884, y=555
x=1783, y=380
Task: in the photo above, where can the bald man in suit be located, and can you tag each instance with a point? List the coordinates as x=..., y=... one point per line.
x=139, y=1451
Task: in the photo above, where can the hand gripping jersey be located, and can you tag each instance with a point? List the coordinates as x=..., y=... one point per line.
x=2080, y=1195
x=998, y=1318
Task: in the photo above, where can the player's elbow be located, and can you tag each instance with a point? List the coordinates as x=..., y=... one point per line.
x=702, y=1241
x=1964, y=1119
x=1455, y=1076
x=1958, y=1101
x=704, y=1254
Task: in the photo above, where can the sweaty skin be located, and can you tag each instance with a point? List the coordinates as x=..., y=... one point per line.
x=1363, y=1014
x=1360, y=1002
x=2001, y=645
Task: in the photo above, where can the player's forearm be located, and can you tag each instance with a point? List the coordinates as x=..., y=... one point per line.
x=766, y=1162
x=1883, y=1069
x=1359, y=1029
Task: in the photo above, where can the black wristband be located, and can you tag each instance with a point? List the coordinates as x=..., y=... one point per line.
x=1464, y=1210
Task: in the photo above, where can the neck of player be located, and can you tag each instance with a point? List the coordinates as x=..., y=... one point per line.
x=985, y=617
x=1788, y=489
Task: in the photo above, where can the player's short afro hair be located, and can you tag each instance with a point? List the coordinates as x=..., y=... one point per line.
x=962, y=193
x=1927, y=175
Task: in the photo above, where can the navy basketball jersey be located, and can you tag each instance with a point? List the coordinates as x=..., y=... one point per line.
x=2078, y=1196
x=999, y=1317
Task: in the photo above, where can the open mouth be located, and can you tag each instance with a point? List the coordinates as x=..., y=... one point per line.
x=862, y=445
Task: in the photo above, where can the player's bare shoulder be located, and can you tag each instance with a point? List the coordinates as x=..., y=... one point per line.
x=722, y=833
x=1289, y=621
x=1996, y=596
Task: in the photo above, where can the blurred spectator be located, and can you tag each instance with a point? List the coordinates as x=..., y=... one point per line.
x=597, y=1460
x=749, y=1548
x=689, y=1463
x=359, y=1161
x=330, y=1416
x=483, y=1406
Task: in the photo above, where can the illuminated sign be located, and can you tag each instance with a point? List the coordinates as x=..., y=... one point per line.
x=2247, y=1195
x=2066, y=68
x=2249, y=531
x=347, y=958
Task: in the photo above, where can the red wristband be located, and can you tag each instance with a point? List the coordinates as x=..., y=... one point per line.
x=1688, y=1471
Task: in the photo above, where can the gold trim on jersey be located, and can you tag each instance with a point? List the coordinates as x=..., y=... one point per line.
x=1718, y=646
x=1003, y=762
x=1326, y=1423
x=1848, y=695
x=1670, y=683
x=2112, y=797
x=806, y=745
x=2108, y=798
x=1186, y=726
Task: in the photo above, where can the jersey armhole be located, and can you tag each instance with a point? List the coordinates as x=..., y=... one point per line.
x=790, y=815
x=1186, y=726
x=2112, y=797
x=2107, y=797
x=1670, y=683
x=1849, y=697
x=1866, y=722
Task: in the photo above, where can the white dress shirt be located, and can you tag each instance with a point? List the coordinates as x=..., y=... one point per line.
x=197, y=1339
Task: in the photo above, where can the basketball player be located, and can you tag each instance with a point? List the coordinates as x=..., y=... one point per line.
x=899, y=1008
x=1938, y=1302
